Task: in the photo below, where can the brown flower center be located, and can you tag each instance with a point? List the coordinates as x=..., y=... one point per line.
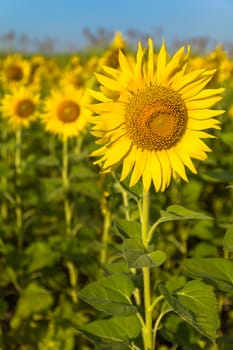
x=68, y=111
x=14, y=73
x=156, y=118
x=24, y=108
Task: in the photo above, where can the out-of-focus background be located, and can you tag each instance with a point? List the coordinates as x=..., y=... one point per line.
x=68, y=25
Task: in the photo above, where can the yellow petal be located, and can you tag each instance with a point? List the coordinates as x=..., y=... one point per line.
x=161, y=63
x=139, y=166
x=205, y=113
x=128, y=163
x=185, y=157
x=207, y=93
x=187, y=79
x=174, y=65
x=124, y=64
x=177, y=164
x=99, y=96
x=117, y=151
x=203, y=103
x=195, y=124
x=166, y=169
x=138, y=66
x=146, y=176
x=150, y=61
x=108, y=82
x=156, y=171
x=194, y=88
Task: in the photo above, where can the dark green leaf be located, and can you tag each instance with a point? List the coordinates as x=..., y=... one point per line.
x=177, y=331
x=216, y=271
x=128, y=229
x=218, y=175
x=137, y=257
x=110, y=294
x=113, y=333
x=178, y=213
x=197, y=305
x=228, y=239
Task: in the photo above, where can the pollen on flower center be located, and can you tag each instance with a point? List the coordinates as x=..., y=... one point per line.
x=68, y=111
x=155, y=118
x=24, y=108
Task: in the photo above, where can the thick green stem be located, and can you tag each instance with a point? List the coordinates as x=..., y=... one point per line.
x=18, y=199
x=147, y=331
x=65, y=180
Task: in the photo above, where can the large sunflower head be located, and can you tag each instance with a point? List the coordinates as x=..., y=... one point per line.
x=155, y=123
x=20, y=106
x=65, y=113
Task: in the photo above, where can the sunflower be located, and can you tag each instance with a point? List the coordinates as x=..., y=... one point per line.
x=65, y=113
x=155, y=125
x=20, y=106
x=15, y=69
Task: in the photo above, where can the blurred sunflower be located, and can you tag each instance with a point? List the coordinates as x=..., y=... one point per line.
x=65, y=113
x=20, y=106
x=156, y=124
x=15, y=69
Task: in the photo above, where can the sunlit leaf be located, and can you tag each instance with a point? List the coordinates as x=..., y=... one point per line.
x=197, y=305
x=110, y=294
x=179, y=213
x=114, y=333
x=216, y=271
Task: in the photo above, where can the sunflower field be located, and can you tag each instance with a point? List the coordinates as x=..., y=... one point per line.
x=116, y=202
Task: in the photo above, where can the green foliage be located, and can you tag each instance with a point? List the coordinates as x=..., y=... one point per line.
x=114, y=333
x=196, y=304
x=110, y=294
x=84, y=290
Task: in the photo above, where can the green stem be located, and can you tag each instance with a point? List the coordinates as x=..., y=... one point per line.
x=18, y=199
x=106, y=226
x=65, y=180
x=148, y=333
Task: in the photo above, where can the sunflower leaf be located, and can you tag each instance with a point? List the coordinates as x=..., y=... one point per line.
x=128, y=229
x=196, y=304
x=179, y=213
x=228, y=239
x=137, y=257
x=110, y=294
x=114, y=333
x=216, y=271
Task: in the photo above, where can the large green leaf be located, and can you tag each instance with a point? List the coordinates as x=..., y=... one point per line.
x=179, y=213
x=228, y=239
x=114, y=333
x=128, y=229
x=197, y=305
x=216, y=271
x=175, y=330
x=110, y=294
x=137, y=257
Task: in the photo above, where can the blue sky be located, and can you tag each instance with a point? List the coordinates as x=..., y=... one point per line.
x=65, y=19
